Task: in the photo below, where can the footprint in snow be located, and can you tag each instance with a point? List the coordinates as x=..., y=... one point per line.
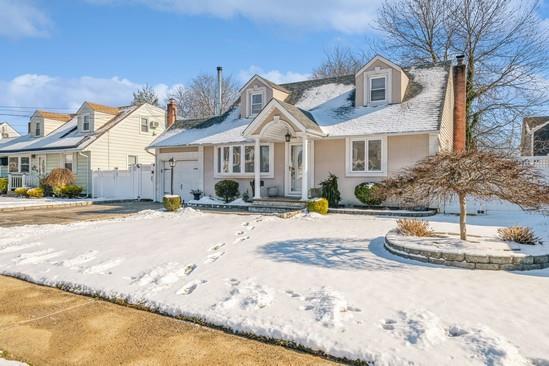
x=245, y=224
x=233, y=282
x=240, y=232
x=214, y=257
x=189, y=268
x=216, y=247
x=241, y=239
x=104, y=267
x=388, y=324
x=190, y=287
x=292, y=293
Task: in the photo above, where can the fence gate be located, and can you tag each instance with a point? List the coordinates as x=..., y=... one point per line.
x=135, y=183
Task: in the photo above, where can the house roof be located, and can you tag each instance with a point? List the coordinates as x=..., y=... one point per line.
x=265, y=81
x=103, y=108
x=530, y=124
x=535, y=121
x=64, y=137
x=328, y=104
x=56, y=116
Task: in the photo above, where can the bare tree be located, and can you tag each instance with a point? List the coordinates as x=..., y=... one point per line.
x=198, y=100
x=146, y=94
x=505, y=48
x=483, y=175
x=339, y=61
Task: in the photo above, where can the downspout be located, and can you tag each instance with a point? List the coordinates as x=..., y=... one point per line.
x=87, y=173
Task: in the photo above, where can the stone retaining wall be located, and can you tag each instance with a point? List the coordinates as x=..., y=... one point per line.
x=468, y=261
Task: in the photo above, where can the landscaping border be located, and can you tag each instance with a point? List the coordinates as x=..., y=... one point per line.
x=469, y=261
x=379, y=212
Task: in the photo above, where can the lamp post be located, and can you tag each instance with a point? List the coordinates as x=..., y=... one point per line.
x=172, y=165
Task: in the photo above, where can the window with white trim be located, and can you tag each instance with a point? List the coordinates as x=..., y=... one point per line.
x=132, y=160
x=86, y=123
x=239, y=160
x=37, y=129
x=144, y=125
x=68, y=162
x=13, y=164
x=378, y=89
x=366, y=155
x=25, y=164
x=256, y=103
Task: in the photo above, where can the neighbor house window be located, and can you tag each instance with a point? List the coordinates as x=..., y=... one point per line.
x=68, y=161
x=13, y=164
x=378, y=89
x=132, y=160
x=256, y=103
x=239, y=160
x=37, y=129
x=86, y=123
x=25, y=164
x=366, y=155
x=144, y=125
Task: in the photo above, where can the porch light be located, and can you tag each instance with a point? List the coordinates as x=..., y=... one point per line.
x=287, y=137
x=171, y=162
x=172, y=165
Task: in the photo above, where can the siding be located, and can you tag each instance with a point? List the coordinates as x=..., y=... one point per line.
x=82, y=171
x=53, y=161
x=399, y=83
x=446, y=136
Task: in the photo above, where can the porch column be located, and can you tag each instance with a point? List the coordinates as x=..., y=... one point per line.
x=257, y=169
x=305, y=176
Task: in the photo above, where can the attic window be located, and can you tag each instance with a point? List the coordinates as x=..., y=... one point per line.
x=378, y=89
x=86, y=123
x=37, y=129
x=256, y=103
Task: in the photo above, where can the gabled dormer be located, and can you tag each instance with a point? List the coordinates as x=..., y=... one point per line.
x=380, y=82
x=256, y=93
x=42, y=123
x=92, y=116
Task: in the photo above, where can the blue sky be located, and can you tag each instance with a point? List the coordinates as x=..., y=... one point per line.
x=57, y=53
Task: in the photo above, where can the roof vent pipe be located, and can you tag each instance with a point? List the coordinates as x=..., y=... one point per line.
x=218, y=103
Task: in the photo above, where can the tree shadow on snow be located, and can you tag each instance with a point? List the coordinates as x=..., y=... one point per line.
x=335, y=253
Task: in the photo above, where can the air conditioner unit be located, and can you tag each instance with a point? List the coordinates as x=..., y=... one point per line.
x=154, y=124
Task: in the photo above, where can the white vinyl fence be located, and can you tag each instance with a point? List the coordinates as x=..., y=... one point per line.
x=134, y=183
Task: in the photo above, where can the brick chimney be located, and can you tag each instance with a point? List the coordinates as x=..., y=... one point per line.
x=171, y=113
x=460, y=112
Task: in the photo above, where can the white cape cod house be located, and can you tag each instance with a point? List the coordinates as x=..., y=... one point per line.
x=283, y=140
x=94, y=138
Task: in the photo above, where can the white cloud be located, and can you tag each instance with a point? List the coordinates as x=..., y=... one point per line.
x=275, y=76
x=348, y=16
x=65, y=94
x=20, y=18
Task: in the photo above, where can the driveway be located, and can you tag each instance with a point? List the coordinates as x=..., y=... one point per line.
x=45, y=326
x=65, y=215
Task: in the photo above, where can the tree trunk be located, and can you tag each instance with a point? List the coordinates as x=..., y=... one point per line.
x=462, y=217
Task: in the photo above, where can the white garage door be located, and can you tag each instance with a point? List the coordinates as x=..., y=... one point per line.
x=186, y=176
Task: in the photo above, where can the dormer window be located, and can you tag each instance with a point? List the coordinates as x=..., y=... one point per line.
x=378, y=89
x=256, y=103
x=84, y=122
x=37, y=129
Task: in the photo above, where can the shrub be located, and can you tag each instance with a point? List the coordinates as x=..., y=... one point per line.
x=414, y=227
x=171, y=202
x=227, y=189
x=319, y=205
x=3, y=185
x=35, y=193
x=369, y=193
x=519, y=234
x=70, y=191
x=330, y=191
x=59, y=177
x=21, y=191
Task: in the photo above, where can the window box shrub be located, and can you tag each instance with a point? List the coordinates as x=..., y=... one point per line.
x=227, y=189
x=35, y=193
x=319, y=205
x=171, y=202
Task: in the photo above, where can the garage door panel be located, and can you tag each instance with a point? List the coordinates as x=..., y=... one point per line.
x=186, y=176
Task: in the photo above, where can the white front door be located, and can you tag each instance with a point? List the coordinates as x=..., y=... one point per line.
x=295, y=168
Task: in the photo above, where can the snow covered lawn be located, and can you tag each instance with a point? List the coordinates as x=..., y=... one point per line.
x=12, y=202
x=324, y=282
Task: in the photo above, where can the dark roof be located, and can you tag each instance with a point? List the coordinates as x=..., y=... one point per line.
x=304, y=117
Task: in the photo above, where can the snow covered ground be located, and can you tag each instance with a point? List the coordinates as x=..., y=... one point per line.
x=11, y=202
x=324, y=282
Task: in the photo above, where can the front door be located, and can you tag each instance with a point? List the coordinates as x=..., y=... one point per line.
x=295, y=168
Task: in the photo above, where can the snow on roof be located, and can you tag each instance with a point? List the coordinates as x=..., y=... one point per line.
x=331, y=106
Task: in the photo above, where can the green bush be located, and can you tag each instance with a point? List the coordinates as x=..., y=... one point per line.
x=70, y=191
x=227, y=189
x=330, y=190
x=35, y=193
x=3, y=185
x=369, y=194
x=21, y=191
x=319, y=205
x=171, y=203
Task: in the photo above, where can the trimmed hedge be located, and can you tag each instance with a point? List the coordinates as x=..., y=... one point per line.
x=368, y=194
x=21, y=191
x=3, y=185
x=171, y=202
x=35, y=193
x=319, y=205
x=227, y=189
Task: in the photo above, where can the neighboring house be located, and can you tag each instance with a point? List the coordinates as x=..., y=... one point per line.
x=535, y=136
x=6, y=132
x=96, y=137
x=285, y=139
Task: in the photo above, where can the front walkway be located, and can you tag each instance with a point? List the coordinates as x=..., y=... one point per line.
x=45, y=326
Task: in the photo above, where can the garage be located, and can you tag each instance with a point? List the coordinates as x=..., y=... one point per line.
x=186, y=176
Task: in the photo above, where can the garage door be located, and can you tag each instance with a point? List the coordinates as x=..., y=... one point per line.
x=186, y=176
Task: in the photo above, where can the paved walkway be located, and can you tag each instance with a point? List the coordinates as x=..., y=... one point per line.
x=46, y=326
x=65, y=215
